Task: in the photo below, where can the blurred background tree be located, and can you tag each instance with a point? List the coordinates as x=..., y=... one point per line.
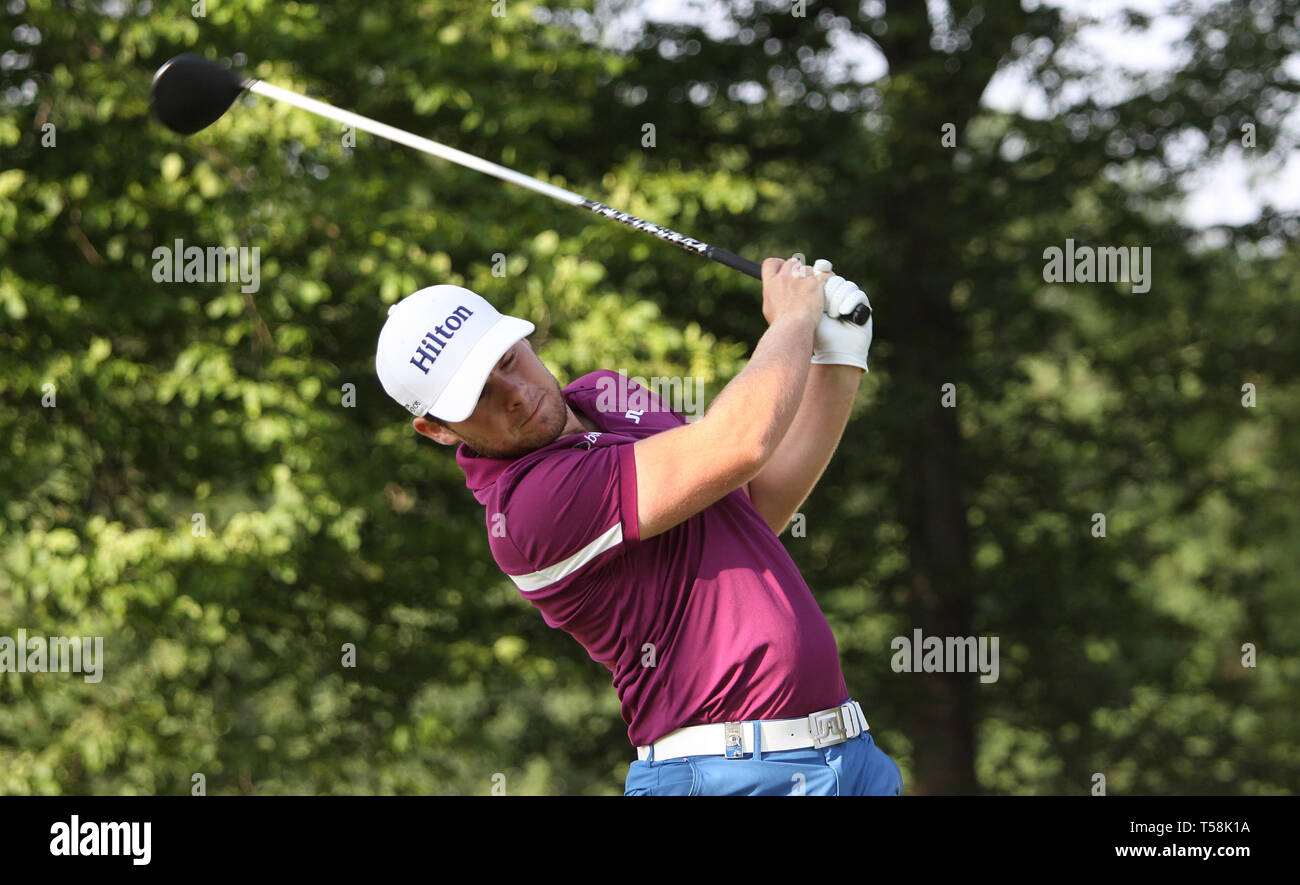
x=328, y=521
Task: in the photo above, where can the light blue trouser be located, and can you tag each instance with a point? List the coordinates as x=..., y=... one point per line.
x=853, y=768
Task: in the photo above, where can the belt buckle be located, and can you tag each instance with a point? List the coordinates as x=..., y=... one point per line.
x=734, y=741
x=833, y=726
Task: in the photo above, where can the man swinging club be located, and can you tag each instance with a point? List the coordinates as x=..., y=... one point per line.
x=653, y=540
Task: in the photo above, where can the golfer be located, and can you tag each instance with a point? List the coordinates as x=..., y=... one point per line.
x=653, y=540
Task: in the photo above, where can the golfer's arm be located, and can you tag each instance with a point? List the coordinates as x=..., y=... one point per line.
x=792, y=472
x=681, y=471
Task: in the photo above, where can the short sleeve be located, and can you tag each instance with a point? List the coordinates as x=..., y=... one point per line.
x=567, y=515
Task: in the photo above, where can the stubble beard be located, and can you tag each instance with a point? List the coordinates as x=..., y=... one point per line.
x=544, y=429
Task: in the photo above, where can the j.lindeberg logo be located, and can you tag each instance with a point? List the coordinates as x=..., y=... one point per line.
x=431, y=345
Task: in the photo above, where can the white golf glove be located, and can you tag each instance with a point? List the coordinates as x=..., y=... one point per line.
x=839, y=341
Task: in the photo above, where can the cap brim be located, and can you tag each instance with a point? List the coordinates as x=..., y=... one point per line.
x=461, y=395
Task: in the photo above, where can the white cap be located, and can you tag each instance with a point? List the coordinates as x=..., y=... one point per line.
x=438, y=347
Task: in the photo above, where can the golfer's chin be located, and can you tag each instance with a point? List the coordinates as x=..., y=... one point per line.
x=542, y=430
x=545, y=428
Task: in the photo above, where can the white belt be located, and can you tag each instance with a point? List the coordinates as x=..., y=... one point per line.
x=734, y=739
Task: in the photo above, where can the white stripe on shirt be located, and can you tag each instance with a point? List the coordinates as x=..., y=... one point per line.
x=561, y=570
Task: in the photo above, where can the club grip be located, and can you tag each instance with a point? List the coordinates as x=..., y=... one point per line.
x=744, y=265
x=860, y=314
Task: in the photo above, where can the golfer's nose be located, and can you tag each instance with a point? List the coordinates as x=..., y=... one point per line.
x=513, y=390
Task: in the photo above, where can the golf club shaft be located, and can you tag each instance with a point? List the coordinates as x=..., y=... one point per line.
x=392, y=133
x=425, y=145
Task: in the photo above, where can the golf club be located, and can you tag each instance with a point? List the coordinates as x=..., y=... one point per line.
x=190, y=92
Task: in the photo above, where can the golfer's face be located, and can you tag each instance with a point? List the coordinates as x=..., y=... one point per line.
x=521, y=407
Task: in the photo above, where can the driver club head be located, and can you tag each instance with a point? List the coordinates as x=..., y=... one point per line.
x=189, y=93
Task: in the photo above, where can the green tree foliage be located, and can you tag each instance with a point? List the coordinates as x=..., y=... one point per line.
x=328, y=521
x=1071, y=399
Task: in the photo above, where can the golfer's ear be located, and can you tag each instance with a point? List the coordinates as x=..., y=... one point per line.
x=434, y=431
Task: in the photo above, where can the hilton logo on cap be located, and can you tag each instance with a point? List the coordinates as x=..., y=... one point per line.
x=432, y=343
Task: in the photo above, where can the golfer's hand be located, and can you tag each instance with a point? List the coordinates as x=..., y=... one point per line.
x=791, y=287
x=838, y=341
